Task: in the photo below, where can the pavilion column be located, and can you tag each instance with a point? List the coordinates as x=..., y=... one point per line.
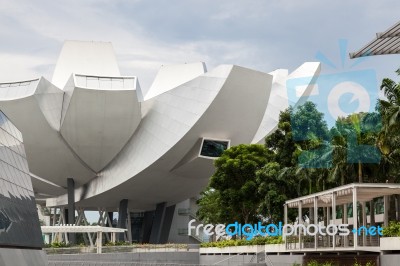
x=285, y=220
x=99, y=242
x=316, y=220
x=328, y=215
x=300, y=222
x=355, y=212
x=345, y=221
x=285, y=211
x=71, y=207
x=334, y=217
x=364, y=222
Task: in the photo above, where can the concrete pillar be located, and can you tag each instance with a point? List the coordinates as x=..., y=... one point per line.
x=71, y=207
x=300, y=214
x=147, y=225
x=110, y=216
x=169, y=215
x=99, y=242
x=345, y=221
x=334, y=217
x=285, y=220
x=66, y=220
x=316, y=220
x=122, y=216
x=364, y=222
x=129, y=232
x=355, y=214
x=157, y=223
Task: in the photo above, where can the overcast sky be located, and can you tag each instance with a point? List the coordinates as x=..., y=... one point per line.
x=264, y=35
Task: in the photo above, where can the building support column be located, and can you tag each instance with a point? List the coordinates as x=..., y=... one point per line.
x=147, y=225
x=129, y=232
x=71, y=207
x=122, y=216
x=166, y=227
x=110, y=216
x=157, y=223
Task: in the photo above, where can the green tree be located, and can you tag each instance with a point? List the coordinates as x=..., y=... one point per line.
x=234, y=184
x=211, y=209
x=274, y=189
x=355, y=155
x=300, y=144
x=388, y=140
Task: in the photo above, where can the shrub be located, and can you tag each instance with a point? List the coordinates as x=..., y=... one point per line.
x=243, y=242
x=313, y=263
x=58, y=245
x=118, y=243
x=393, y=230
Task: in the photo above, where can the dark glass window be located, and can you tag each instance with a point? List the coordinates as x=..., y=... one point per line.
x=213, y=148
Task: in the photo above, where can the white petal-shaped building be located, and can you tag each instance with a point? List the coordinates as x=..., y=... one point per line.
x=94, y=140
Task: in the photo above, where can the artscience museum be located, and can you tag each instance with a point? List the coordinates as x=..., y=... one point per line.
x=95, y=140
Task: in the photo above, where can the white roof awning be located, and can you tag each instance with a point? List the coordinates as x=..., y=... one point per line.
x=387, y=42
x=344, y=194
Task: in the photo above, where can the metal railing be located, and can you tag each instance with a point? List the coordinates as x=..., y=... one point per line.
x=330, y=242
x=121, y=249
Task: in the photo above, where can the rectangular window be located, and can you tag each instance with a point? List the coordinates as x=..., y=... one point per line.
x=212, y=148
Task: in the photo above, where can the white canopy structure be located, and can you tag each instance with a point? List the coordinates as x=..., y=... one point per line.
x=387, y=42
x=354, y=196
x=99, y=230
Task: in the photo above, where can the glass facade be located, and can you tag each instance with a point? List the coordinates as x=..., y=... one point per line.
x=213, y=148
x=19, y=222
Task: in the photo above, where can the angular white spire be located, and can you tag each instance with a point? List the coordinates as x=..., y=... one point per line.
x=88, y=58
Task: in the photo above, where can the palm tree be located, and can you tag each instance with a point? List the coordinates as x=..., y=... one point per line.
x=388, y=140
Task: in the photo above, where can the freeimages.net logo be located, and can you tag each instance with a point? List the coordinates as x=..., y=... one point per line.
x=338, y=94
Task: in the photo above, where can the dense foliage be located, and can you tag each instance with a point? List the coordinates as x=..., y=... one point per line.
x=393, y=230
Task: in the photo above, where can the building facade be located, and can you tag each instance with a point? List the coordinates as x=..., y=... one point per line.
x=20, y=234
